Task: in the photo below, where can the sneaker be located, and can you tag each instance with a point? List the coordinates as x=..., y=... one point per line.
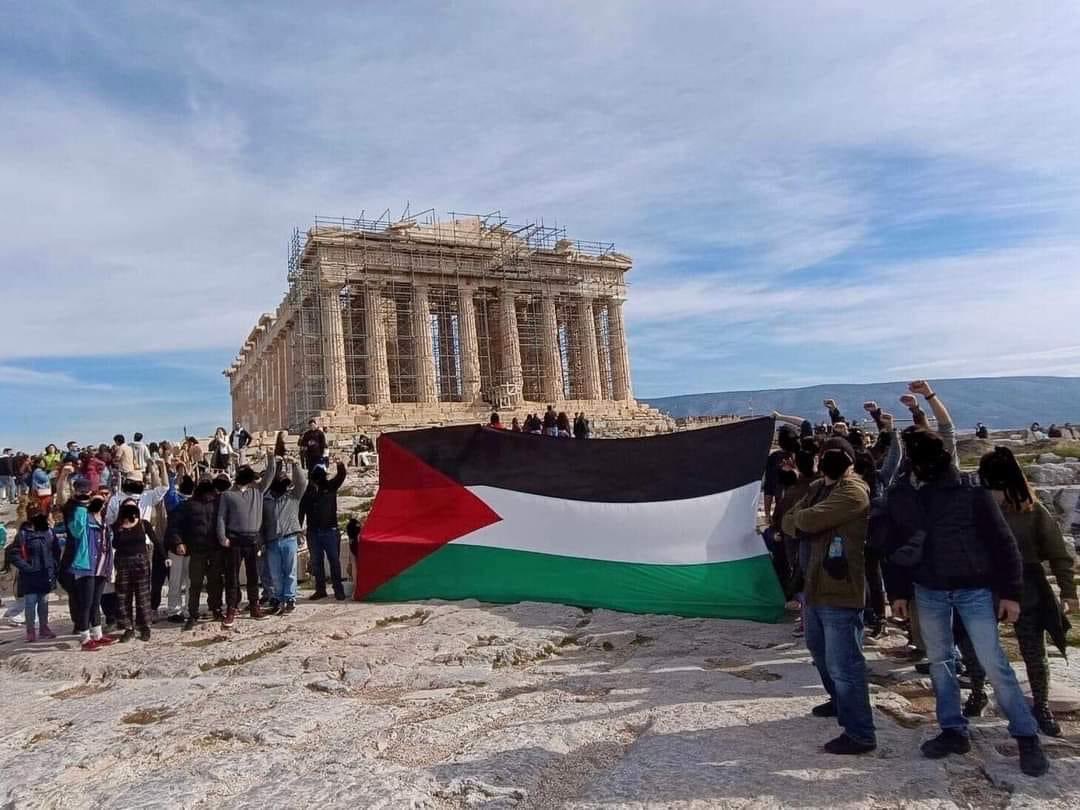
x=144, y=634
x=949, y=741
x=279, y=609
x=105, y=641
x=1047, y=724
x=46, y=632
x=340, y=596
x=218, y=616
x=256, y=612
x=90, y=645
x=129, y=634
x=976, y=702
x=189, y=624
x=273, y=607
x=826, y=709
x=846, y=745
x=1033, y=761
x=315, y=597
x=31, y=635
x=229, y=619
x=290, y=606
x=177, y=619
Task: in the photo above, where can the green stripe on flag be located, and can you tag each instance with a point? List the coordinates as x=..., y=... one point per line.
x=742, y=589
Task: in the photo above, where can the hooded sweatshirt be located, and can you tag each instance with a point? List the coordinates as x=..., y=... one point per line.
x=281, y=513
x=240, y=512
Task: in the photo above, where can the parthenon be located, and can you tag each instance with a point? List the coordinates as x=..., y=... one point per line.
x=416, y=321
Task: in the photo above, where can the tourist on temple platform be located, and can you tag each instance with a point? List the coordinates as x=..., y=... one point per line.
x=141, y=457
x=515, y=425
x=562, y=425
x=220, y=452
x=551, y=422
x=495, y=421
x=312, y=446
x=582, y=428
x=239, y=440
x=363, y=452
x=318, y=508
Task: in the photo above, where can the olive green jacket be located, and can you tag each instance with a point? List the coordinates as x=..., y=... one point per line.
x=825, y=512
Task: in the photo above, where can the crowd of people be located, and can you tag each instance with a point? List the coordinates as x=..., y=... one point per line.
x=557, y=425
x=864, y=524
x=859, y=520
x=117, y=526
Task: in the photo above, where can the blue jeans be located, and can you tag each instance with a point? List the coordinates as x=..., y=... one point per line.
x=326, y=542
x=281, y=560
x=9, y=489
x=36, y=604
x=834, y=637
x=975, y=607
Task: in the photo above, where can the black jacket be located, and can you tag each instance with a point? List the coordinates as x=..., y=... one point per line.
x=194, y=522
x=319, y=505
x=966, y=541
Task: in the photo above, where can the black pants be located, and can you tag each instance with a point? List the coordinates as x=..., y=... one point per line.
x=875, y=587
x=67, y=582
x=209, y=566
x=242, y=551
x=89, y=602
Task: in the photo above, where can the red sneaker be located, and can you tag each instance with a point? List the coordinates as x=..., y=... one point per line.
x=104, y=641
x=90, y=645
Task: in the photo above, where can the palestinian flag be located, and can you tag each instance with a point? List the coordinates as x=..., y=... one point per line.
x=664, y=524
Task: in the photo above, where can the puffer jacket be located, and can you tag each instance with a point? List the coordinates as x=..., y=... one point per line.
x=824, y=513
x=36, y=555
x=194, y=522
x=966, y=542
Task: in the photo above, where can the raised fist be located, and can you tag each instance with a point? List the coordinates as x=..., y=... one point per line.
x=909, y=402
x=870, y=406
x=920, y=387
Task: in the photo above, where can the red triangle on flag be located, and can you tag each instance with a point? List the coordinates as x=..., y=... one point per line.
x=417, y=511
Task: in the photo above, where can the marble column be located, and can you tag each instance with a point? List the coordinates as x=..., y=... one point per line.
x=550, y=356
x=375, y=328
x=333, y=348
x=510, y=345
x=603, y=349
x=469, y=345
x=586, y=340
x=621, y=387
x=426, y=387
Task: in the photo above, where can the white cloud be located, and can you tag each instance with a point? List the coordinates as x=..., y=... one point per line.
x=28, y=377
x=720, y=137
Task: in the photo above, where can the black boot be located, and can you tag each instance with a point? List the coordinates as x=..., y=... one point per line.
x=1033, y=761
x=826, y=709
x=1047, y=724
x=975, y=704
x=846, y=745
x=949, y=741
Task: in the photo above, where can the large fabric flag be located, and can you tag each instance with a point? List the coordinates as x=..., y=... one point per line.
x=664, y=524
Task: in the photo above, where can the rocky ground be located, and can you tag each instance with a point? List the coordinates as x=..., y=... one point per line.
x=447, y=705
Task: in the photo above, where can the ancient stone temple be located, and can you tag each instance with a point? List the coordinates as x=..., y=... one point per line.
x=418, y=321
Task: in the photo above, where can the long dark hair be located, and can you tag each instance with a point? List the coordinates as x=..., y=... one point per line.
x=1000, y=470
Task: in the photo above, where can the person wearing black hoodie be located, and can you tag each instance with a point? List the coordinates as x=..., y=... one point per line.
x=192, y=531
x=319, y=508
x=130, y=534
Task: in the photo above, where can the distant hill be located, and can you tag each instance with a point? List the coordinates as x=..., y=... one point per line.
x=1000, y=402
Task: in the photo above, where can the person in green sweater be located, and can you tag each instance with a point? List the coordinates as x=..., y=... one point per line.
x=1040, y=540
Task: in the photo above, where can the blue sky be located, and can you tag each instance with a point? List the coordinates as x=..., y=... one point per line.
x=811, y=192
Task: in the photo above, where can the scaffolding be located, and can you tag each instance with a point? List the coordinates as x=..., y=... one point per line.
x=414, y=270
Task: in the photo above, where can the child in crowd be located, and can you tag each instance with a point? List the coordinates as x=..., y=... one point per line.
x=35, y=555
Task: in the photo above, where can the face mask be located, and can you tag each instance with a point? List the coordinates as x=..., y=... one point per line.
x=788, y=477
x=834, y=464
x=95, y=505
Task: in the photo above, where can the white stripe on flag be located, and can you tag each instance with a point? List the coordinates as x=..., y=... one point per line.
x=714, y=528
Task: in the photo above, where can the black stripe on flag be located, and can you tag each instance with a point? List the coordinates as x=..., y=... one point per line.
x=667, y=467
